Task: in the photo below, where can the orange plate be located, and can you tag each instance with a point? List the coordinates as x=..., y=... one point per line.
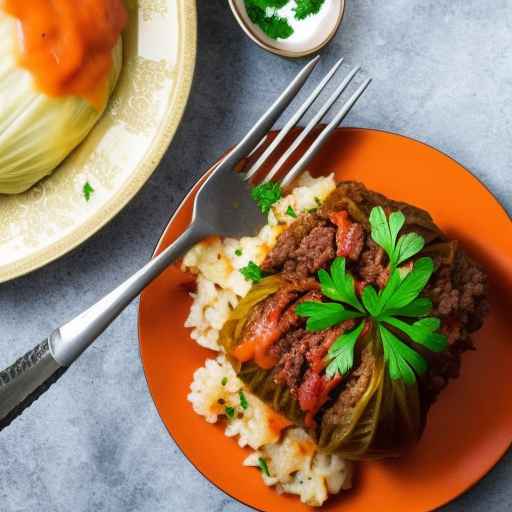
x=469, y=428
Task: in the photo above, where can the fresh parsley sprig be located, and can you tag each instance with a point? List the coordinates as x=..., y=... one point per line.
x=266, y=195
x=307, y=8
x=273, y=25
x=387, y=310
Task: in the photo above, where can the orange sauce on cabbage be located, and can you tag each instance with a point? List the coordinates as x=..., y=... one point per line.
x=67, y=44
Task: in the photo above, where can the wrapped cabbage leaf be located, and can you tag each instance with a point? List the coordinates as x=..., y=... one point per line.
x=375, y=404
x=37, y=132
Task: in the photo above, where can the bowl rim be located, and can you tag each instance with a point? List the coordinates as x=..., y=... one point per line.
x=187, y=12
x=278, y=51
x=158, y=248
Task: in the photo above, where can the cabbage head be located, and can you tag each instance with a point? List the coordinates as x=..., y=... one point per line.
x=37, y=132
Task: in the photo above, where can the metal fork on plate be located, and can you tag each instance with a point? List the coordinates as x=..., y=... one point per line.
x=222, y=206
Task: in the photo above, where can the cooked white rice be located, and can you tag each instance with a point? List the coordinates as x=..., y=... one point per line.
x=293, y=461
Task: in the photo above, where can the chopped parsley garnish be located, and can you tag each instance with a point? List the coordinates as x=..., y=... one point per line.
x=307, y=8
x=87, y=191
x=244, y=404
x=273, y=25
x=262, y=463
x=291, y=212
x=266, y=195
x=230, y=412
x=238, y=252
x=398, y=301
x=224, y=381
x=317, y=201
x=269, y=4
x=252, y=272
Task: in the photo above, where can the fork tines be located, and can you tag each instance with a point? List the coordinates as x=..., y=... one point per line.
x=312, y=124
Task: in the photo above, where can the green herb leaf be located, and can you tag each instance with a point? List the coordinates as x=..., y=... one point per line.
x=385, y=232
x=317, y=201
x=291, y=212
x=307, y=8
x=252, y=272
x=87, y=191
x=224, y=381
x=269, y=4
x=262, y=463
x=341, y=353
x=344, y=284
x=266, y=195
x=403, y=361
x=422, y=332
x=244, y=404
x=371, y=300
x=230, y=412
x=323, y=315
x=411, y=286
x=417, y=308
x=408, y=246
x=396, y=223
x=238, y=252
x=389, y=290
x=274, y=26
x=381, y=233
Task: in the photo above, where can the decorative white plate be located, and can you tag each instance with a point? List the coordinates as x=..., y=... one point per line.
x=120, y=153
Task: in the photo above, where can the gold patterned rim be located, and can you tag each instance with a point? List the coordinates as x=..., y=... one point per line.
x=160, y=143
x=279, y=51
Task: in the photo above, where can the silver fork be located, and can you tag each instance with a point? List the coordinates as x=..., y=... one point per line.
x=222, y=207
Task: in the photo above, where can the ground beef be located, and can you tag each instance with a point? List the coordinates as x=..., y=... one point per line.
x=372, y=266
x=315, y=251
x=458, y=293
x=299, y=350
x=290, y=240
x=290, y=368
x=354, y=389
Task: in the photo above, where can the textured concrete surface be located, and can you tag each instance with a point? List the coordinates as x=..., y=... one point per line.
x=442, y=72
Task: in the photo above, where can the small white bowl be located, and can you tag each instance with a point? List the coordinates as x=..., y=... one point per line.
x=332, y=15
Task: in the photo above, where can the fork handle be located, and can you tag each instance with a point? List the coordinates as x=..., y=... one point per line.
x=26, y=380
x=31, y=375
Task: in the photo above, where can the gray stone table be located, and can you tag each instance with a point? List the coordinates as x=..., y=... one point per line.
x=443, y=74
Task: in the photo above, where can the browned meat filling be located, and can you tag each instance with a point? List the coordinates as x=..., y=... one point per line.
x=297, y=357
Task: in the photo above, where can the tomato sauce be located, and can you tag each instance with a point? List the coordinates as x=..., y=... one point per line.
x=67, y=44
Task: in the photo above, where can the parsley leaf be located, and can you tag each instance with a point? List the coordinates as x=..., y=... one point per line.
x=341, y=353
x=262, y=463
x=266, y=195
x=403, y=360
x=224, y=381
x=238, y=252
x=385, y=232
x=411, y=286
x=252, y=272
x=339, y=285
x=422, y=332
x=230, y=412
x=274, y=26
x=291, y=212
x=307, y=8
x=417, y=308
x=269, y=4
x=243, y=400
x=87, y=191
x=408, y=245
x=323, y=315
